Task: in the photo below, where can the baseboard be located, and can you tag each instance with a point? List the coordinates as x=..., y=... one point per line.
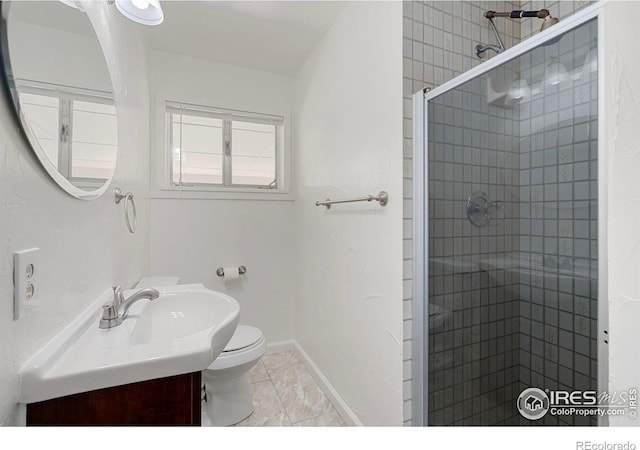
x=341, y=406
x=281, y=346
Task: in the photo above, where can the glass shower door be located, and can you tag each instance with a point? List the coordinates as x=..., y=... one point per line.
x=513, y=235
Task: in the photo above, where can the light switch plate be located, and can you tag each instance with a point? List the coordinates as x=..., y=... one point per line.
x=25, y=280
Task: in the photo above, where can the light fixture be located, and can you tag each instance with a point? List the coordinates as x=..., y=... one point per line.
x=518, y=92
x=146, y=12
x=548, y=21
x=556, y=73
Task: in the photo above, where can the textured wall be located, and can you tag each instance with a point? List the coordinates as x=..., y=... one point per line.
x=84, y=245
x=622, y=70
x=348, y=314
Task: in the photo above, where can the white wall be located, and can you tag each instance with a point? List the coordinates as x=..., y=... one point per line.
x=621, y=69
x=347, y=143
x=192, y=237
x=84, y=245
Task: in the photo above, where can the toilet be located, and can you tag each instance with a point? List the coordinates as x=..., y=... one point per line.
x=229, y=397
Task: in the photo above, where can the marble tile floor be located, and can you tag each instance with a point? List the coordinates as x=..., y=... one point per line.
x=285, y=394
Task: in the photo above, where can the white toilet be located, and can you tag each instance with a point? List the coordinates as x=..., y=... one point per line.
x=229, y=395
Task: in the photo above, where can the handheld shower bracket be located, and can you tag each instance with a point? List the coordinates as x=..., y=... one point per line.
x=517, y=14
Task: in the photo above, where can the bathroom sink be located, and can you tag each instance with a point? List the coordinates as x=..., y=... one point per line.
x=181, y=331
x=177, y=315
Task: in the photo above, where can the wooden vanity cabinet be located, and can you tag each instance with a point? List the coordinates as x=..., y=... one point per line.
x=164, y=402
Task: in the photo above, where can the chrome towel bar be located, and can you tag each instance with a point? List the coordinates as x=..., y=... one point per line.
x=382, y=198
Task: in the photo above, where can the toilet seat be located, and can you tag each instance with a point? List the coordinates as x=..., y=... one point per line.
x=243, y=337
x=246, y=345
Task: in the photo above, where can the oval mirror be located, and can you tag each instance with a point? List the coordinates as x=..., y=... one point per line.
x=62, y=94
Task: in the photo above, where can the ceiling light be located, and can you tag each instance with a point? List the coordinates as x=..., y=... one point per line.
x=146, y=12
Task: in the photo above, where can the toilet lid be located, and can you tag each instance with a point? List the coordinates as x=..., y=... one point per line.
x=244, y=336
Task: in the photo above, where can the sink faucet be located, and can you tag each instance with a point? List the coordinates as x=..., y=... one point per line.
x=114, y=312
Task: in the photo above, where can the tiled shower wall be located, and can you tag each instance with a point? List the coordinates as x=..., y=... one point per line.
x=438, y=44
x=558, y=223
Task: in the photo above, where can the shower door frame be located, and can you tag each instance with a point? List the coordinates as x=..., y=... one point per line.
x=420, y=285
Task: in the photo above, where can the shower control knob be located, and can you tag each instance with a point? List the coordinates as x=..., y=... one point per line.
x=481, y=210
x=477, y=206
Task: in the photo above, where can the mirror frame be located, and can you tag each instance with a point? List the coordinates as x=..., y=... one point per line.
x=26, y=131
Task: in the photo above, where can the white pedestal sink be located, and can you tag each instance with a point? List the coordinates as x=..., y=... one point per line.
x=181, y=331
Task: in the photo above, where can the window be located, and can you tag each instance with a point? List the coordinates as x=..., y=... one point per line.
x=76, y=129
x=219, y=148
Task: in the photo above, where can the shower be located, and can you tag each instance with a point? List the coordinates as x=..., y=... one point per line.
x=509, y=299
x=544, y=14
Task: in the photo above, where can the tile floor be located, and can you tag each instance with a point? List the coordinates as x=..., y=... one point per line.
x=285, y=394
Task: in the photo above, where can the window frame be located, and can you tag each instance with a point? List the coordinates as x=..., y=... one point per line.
x=227, y=187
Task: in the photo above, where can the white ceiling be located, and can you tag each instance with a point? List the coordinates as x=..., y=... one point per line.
x=276, y=36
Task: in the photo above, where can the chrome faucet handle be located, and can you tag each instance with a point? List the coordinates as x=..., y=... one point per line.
x=110, y=315
x=118, y=296
x=109, y=311
x=115, y=311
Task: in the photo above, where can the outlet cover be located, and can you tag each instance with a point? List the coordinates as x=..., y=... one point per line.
x=26, y=277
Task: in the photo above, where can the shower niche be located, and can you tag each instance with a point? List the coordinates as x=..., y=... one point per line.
x=510, y=304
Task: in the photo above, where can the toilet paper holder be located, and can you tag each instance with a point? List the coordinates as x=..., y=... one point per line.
x=241, y=270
